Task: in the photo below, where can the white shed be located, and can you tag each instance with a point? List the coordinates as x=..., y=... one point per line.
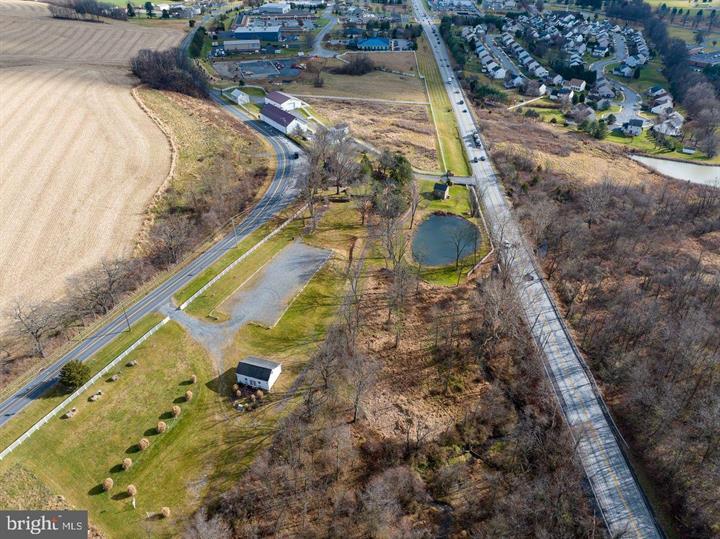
x=239, y=97
x=257, y=372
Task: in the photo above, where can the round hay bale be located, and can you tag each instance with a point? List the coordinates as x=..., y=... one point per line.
x=188, y=395
x=161, y=427
x=126, y=463
x=165, y=512
x=108, y=484
x=175, y=410
x=143, y=444
x=132, y=490
x=193, y=379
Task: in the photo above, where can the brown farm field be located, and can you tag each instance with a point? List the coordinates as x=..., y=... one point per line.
x=79, y=159
x=402, y=128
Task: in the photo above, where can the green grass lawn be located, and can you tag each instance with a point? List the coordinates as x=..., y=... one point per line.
x=650, y=75
x=73, y=456
x=36, y=410
x=254, y=91
x=450, y=143
x=645, y=144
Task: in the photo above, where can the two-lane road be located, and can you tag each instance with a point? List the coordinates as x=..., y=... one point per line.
x=280, y=193
x=616, y=490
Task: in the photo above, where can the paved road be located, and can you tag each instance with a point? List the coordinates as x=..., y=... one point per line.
x=499, y=53
x=617, y=493
x=319, y=50
x=632, y=100
x=281, y=192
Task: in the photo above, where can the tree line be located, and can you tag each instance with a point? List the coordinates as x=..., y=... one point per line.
x=87, y=10
x=170, y=70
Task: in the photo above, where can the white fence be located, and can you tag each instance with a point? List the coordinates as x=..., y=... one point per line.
x=64, y=404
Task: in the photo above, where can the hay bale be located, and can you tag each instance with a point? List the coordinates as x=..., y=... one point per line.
x=143, y=444
x=126, y=463
x=108, y=484
x=165, y=512
x=193, y=379
x=131, y=363
x=115, y=378
x=161, y=427
x=188, y=395
x=132, y=490
x=176, y=410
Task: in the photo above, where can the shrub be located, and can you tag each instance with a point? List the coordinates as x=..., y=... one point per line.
x=238, y=393
x=235, y=387
x=161, y=427
x=144, y=443
x=126, y=463
x=108, y=484
x=132, y=490
x=165, y=512
x=170, y=70
x=74, y=374
x=175, y=410
x=259, y=394
x=188, y=395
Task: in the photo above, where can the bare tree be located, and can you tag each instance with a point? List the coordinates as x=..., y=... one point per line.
x=33, y=321
x=360, y=373
x=414, y=200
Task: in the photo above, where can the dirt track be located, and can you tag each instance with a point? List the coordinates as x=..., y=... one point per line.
x=79, y=160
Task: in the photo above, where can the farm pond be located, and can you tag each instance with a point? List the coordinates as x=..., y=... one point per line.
x=442, y=239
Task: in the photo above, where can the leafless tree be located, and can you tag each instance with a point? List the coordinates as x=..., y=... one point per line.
x=414, y=200
x=360, y=373
x=202, y=527
x=33, y=321
x=170, y=237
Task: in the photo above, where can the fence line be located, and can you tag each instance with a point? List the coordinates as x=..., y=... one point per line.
x=82, y=389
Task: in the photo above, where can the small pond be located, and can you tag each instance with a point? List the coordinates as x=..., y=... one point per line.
x=438, y=239
x=691, y=172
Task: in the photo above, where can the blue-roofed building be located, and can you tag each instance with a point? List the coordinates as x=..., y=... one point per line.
x=374, y=44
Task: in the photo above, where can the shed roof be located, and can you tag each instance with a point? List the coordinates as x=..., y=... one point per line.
x=277, y=115
x=255, y=367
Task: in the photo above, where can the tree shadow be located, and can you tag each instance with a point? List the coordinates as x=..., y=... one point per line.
x=97, y=489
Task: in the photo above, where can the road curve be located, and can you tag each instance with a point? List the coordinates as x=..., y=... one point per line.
x=280, y=193
x=616, y=490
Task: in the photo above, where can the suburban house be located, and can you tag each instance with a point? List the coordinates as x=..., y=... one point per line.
x=284, y=101
x=441, y=191
x=632, y=128
x=577, y=85
x=282, y=121
x=671, y=125
x=239, y=97
x=256, y=372
x=374, y=44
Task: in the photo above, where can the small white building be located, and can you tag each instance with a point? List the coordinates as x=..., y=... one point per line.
x=282, y=120
x=239, y=97
x=256, y=372
x=284, y=101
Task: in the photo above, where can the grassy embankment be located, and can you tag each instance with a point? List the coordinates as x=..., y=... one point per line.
x=449, y=141
x=458, y=204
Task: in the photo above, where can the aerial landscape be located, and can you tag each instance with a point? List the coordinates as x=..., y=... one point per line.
x=360, y=268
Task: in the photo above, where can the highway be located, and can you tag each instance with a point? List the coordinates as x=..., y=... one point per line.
x=280, y=193
x=617, y=493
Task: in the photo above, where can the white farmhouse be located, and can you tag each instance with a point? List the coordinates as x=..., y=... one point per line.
x=284, y=101
x=256, y=372
x=282, y=120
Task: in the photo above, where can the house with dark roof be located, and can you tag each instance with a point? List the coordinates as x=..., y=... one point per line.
x=441, y=191
x=257, y=372
x=284, y=101
x=633, y=128
x=282, y=120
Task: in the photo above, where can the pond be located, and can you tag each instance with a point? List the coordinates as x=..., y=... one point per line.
x=708, y=175
x=439, y=239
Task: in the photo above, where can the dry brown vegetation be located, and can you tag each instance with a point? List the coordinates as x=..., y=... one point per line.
x=403, y=61
x=635, y=261
x=407, y=129
x=80, y=160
